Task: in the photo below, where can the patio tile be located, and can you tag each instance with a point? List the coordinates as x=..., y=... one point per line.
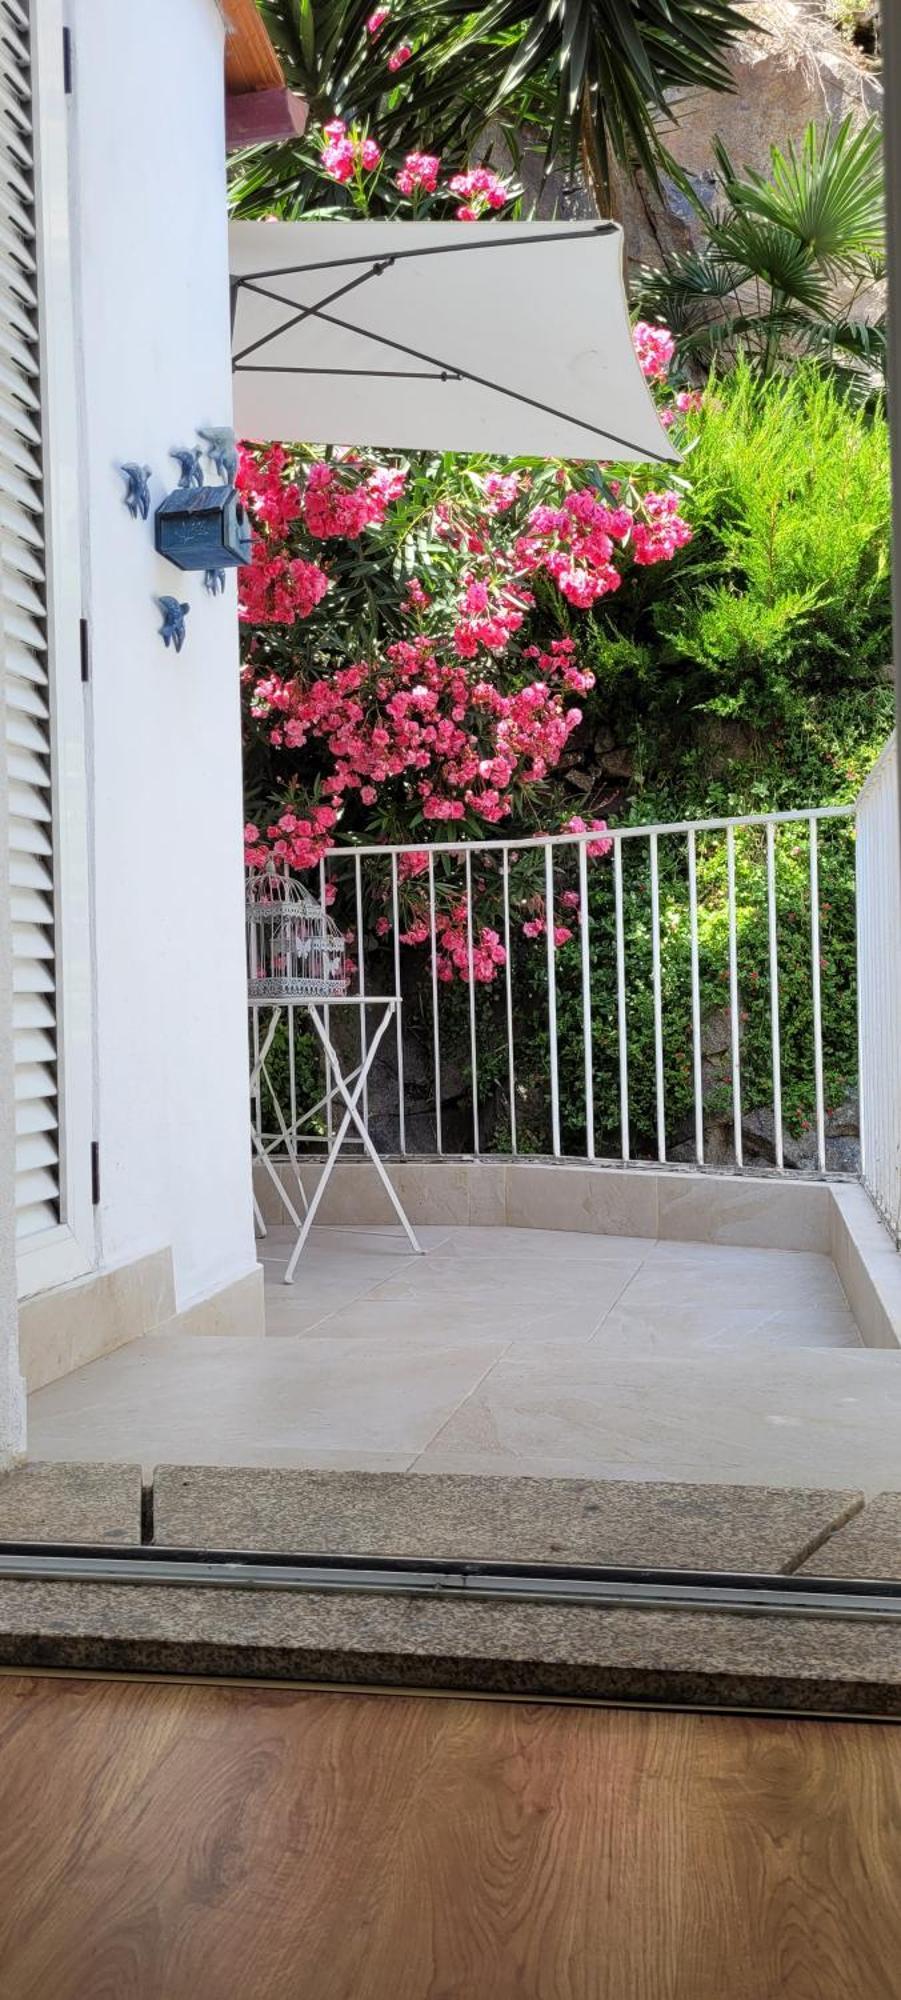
x=216, y=1399
x=543, y=1245
x=519, y=1281
x=721, y=1417
x=438, y=1321
x=771, y=1279
x=501, y=1520
x=629, y=1329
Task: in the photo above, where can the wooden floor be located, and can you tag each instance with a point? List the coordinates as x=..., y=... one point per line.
x=169, y=1842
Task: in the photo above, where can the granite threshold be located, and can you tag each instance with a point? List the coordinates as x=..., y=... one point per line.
x=769, y=1662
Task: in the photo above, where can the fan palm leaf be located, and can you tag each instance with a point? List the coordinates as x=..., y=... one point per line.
x=775, y=251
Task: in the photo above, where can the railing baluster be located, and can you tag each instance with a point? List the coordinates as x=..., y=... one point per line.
x=508, y=971
x=817, y=997
x=436, y=1031
x=361, y=977
x=734, y=1014
x=695, y=998
x=401, y=1095
x=586, y=1000
x=552, y=996
x=470, y=946
x=621, y=1025
x=658, y=1000
x=326, y=1013
x=775, y=1031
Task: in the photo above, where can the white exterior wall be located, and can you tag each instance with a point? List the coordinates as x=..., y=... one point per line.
x=152, y=320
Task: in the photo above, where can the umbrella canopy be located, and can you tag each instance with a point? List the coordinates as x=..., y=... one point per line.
x=478, y=337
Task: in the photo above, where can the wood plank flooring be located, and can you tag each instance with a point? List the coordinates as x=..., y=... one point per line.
x=177, y=1842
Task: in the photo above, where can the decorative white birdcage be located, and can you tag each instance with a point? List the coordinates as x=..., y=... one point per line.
x=294, y=950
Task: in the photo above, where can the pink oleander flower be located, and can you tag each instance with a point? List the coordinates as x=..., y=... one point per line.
x=419, y=174
x=655, y=347
x=399, y=56
x=344, y=151
x=501, y=490
x=377, y=20
x=481, y=190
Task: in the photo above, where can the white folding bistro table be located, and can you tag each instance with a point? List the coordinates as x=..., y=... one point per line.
x=350, y=1088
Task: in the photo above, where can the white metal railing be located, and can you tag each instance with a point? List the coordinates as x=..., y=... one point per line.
x=670, y=918
x=879, y=985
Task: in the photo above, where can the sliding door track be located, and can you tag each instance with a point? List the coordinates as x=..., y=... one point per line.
x=739, y=1593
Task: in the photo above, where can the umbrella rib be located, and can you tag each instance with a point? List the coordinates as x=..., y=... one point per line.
x=457, y=373
x=306, y=311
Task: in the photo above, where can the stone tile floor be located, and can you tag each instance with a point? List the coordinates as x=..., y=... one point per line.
x=510, y=1351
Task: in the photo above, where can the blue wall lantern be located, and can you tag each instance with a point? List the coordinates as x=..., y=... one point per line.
x=203, y=527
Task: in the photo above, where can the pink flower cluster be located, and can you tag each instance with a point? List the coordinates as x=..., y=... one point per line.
x=337, y=506
x=657, y=537
x=277, y=589
x=456, y=741
x=399, y=56
x=419, y=174
x=502, y=490
x=377, y=20
x=481, y=191
x=452, y=957
x=346, y=153
x=575, y=544
x=655, y=347
x=298, y=841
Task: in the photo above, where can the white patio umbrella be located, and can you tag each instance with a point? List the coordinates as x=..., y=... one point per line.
x=497, y=337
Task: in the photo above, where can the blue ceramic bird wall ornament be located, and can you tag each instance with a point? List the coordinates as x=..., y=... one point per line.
x=189, y=458
x=220, y=443
x=137, y=490
x=172, y=630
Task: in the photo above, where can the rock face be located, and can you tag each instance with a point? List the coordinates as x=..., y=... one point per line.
x=794, y=69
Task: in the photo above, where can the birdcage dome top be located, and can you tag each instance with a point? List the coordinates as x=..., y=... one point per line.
x=271, y=892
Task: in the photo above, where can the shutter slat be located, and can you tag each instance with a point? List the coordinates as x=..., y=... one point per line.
x=29, y=871
x=32, y=941
x=35, y=1150
x=31, y=803
x=18, y=556
x=26, y=699
x=35, y=1220
x=32, y=975
x=18, y=625
x=23, y=732
x=28, y=767
x=33, y=1010
x=34, y=1080
x=14, y=452
x=28, y=906
x=14, y=418
x=36, y=1188
x=34, y=1045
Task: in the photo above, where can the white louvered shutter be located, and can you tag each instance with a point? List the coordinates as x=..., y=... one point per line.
x=25, y=666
